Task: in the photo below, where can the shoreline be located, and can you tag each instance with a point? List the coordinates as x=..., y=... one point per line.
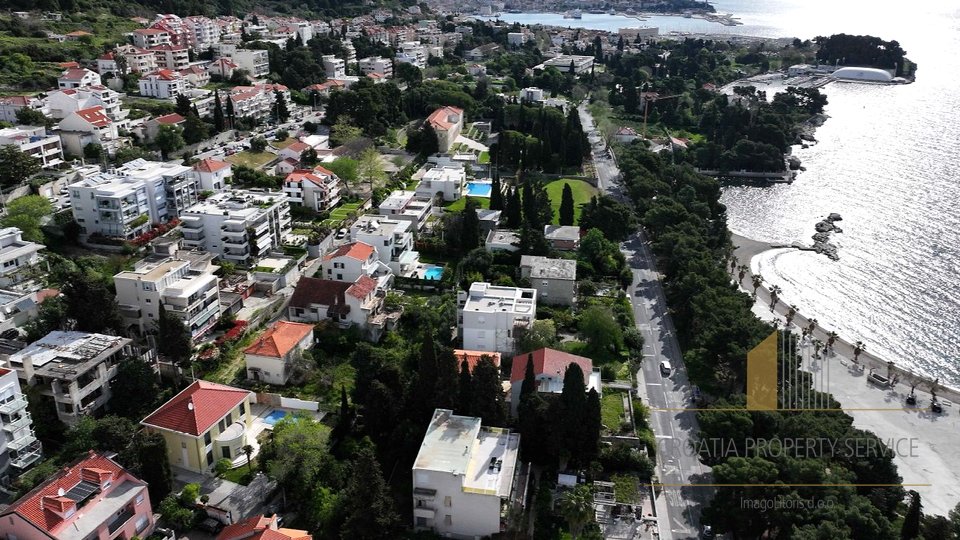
x=745, y=249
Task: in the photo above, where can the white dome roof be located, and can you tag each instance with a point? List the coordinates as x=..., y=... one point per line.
x=863, y=74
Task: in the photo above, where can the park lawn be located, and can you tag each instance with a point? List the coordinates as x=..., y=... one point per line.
x=582, y=192
x=254, y=160
x=460, y=204
x=484, y=158
x=241, y=475
x=611, y=410
x=280, y=145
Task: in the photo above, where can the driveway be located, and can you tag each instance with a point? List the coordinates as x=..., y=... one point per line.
x=241, y=501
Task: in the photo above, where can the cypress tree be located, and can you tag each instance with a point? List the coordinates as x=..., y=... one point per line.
x=592, y=425
x=218, y=121
x=529, y=202
x=566, y=205
x=466, y=389
x=911, y=522
x=488, y=401
x=368, y=508
x=573, y=410
x=514, y=209
x=470, y=234
x=446, y=387
x=496, y=191
x=529, y=384
x=230, y=114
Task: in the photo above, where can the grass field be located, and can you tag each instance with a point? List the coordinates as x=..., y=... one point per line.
x=254, y=160
x=582, y=191
x=340, y=213
x=611, y=410
x=280, y=145
x=461, y=203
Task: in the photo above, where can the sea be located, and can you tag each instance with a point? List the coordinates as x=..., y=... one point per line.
x=887, y=160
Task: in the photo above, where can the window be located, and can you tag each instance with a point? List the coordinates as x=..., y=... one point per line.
x=229, y=418
x=448, y=520
x=206, y=438
x=141, y=524
x=222, y=425
x=139, y=499
x=448, y=501
x=210, y=458
x=226, y=452
x=243, y=409
x=148, y=300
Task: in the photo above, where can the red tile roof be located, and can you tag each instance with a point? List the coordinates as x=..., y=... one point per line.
x=170, y=119
x=74, y=74
x=472, y=357
x=31, y=506
x=549, y=361
x=210, y=165
x=363, y=287
x=95, y=116
x=16, y=101
x=197, y=408
x=69, y=65
x=311, y=291
x=297, y=147
x=149, y=31
x=45, y=294
x=261, y=528
x=440, y=118
x=360, y=251
x=165, y=75
x=280, y=339
x=299, y=175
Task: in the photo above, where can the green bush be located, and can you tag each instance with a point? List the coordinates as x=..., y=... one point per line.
x=189, y=494
x=223, y=465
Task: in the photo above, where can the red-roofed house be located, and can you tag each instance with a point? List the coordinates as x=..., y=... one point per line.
x=93, y=498
x=294, y=150
x=152, y=126
x=317, y=189
x=447, y=122
x=223, y=67
x=162, y=84
x=203, y=424
x=78, y=78
x=213, y=174
x=549, y=368
x=472, y=357
x=150, y=37
x=88, y=126
x=328, y=86
x=11, y=104
x=350, y=261
x=261, y=528
x=349, y=304
x=271, y=357
x=196, y=76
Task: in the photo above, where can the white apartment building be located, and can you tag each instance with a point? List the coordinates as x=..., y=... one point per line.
x=554, y=279
x=414, y=53
x=350, y=261
x=465, y=477
x=162, y=84
x=172, y=57
x=490, y=316
x=256, y=101
x=255, y=62
x=139, y=60
x=19, y=447
x=11, y=104
x=213, y=174
x=35, y=142
x=183, y=283
x=317, y=189
x=407, y=205
x=16, y=255
x=89, y=126
x=393, y=239
x=333, y=67
x=376, y=64
x=125, y=202
x=516, y=39
x=64, y=102
x=531, y=94
x=448, y=183
x=75, y=368
x=146, y=38
x=240, y=226
x=204, y=32
x=78, y=78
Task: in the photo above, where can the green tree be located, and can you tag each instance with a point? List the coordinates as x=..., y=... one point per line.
x=231, y=115
x=16, y=166
x=566, y=205
x=345, y=169
x=614, y=219
x=27, y=213
x=911, y=522
x=465, y=387
x=169, y=139
x=281, y=111
x=470, y=232
x=542, y=333
x=514, y=209
x=600, y=328
x=496, y=192
x=370, y=168
x=52, y=316
x=178, y=517
x=576, y=507
x=183, y=105
x=135, y=391
x=91, y=306
x=258, y=144
x=344, y=131
x=173, y=337
x=367, y=503
x=219, y=121
x=488, y=398
x=27, y=116
x=195, y=129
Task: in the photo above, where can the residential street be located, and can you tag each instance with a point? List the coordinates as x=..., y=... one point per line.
x=678, y=505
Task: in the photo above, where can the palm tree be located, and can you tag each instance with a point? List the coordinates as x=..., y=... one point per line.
x=791, y=313
x=733, y=263
x=577, y=508
x=774, y=296
x=248, y=451
x=858, y=348
x=757, y=282
x=742, y=273
x=831, y=339
x=811, y=325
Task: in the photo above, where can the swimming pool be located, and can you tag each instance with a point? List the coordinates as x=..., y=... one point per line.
x=433, y=272
x=479, y=189
x=274, y=417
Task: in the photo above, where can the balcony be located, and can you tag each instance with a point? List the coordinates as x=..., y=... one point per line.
x=23, y=442
x=16, y=404
x=19, y=423
x=120, y=520
x=237, y=242
x=28, y=456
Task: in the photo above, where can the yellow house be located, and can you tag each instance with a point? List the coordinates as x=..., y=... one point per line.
x=203, y=424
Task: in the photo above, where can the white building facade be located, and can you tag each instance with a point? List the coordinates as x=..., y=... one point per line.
x=239, y=226
x=490, y=316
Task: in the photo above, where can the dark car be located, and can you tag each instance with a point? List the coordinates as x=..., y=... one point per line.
x=210, y=525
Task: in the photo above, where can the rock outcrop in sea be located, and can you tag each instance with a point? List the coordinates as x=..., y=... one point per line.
x=821, y=240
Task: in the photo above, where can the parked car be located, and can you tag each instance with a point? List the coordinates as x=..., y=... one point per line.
x=665, y=368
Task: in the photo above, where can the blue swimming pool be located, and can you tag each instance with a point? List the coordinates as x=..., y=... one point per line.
x=275, y=416
x=479, y=189
x=433, y=272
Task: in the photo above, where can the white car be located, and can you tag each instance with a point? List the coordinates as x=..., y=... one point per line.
x=665, y=368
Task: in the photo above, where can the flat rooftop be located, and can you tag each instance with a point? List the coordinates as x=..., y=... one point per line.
x=545, y=267
x=67, y=355
x=236, y=204
x=484, y=297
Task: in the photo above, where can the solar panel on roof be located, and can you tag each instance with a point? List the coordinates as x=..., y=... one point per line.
x=82, y=491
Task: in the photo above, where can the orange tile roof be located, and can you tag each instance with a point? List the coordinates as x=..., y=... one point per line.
x=197, y=408
x=360, y=251
x=165, y=75
x=439, y=119
x=74, y=74
x=472, y=357
x=170, y=119
x=261, y=528
x=297, y=146
x=362, y=287
x=549, y=361
x=95, y=116
x=280, y=339
x=210, y=165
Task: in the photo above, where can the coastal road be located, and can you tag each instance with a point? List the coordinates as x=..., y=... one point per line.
x=669, y=396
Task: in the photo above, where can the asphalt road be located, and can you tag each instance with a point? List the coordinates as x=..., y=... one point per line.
x=669, y=396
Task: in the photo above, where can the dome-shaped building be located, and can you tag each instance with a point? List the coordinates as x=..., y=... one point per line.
x=863, y=74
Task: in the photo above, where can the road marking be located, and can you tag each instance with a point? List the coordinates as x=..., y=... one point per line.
x=663, y=436
x=654, y=384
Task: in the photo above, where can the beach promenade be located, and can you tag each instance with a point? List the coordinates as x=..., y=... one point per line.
x=933, y=439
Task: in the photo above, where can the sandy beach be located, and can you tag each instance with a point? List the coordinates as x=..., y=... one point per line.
x=881, y=410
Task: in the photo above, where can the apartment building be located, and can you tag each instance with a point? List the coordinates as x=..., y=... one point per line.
x=564, y=62
x=11, y=104
x=466, y=477
x=412, y=52
x=213, y=174
x=317, y=189
x=256, y=101
x=491, y=315
x=172, y=57
x=271, y=357
x=92, y=498
x=447, y=122
x=204, y=423
x=448, y=183
x=358, y=304
x=554, y=279
x=175, y=27
x=240, y=226
x=75, y=368
x=78, y=78
x=378, y=65
x=254, y=62
x=393, y=239
x=350, y=261
x=19, y=447
x=203, y=32
x=61, y=103
x=20, y=304
x=162, y=84
x=89, y=126
x=333, y=67
x=35, y=142
x=17, y=256
x=182, y=282
x=145, y=38
x=549, y=370
x=407, y=205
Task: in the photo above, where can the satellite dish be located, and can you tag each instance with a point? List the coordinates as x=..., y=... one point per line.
x=60, y=492
x=190, y=405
